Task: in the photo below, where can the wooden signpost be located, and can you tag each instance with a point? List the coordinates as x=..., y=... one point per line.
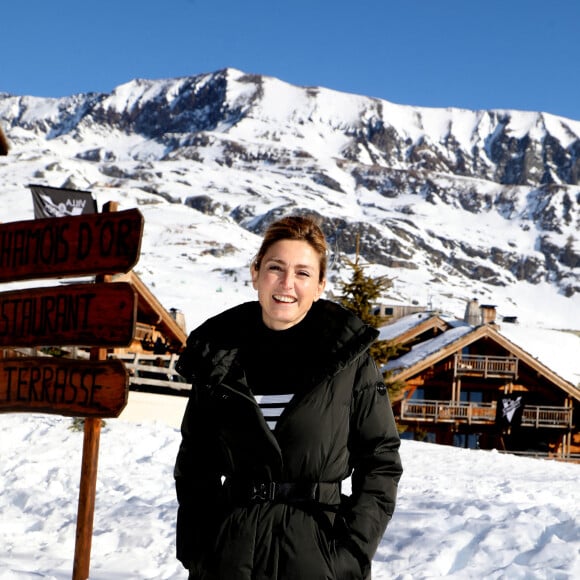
x=98, y=315
x=100, y=243
x=74, y=388
x=82, y=314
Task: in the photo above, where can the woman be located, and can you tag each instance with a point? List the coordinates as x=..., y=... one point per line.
x=285, y=404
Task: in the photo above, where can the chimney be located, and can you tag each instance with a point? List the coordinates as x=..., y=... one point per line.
x=487, y=313
x=472, y=313
x=179, y=317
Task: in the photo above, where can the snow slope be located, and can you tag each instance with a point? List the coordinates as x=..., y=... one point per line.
x=462, y=514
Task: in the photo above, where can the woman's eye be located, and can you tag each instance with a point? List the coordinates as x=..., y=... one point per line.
x=304, y=273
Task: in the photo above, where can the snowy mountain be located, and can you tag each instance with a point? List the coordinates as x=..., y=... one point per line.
x=450, y=203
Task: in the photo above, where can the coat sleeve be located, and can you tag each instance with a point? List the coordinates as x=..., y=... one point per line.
x=374, y=450
x=198, y=486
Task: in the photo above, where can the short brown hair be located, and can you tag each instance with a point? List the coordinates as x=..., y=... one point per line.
x=301, y=228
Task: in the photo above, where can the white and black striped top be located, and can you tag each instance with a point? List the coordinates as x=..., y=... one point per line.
x=272, y=407
x=277, y=364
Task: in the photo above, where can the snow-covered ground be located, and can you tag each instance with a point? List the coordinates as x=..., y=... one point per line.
x=462, y=514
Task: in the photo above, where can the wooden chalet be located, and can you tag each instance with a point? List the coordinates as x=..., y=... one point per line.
x=158, y=330
x=464, y=383
x=160, y=336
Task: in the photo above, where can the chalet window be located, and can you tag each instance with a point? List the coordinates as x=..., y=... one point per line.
x=466, y=440
x=472, y=396
x=419, y=394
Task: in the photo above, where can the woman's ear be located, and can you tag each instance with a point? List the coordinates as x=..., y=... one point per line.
x=254, y=275
x=321, y=287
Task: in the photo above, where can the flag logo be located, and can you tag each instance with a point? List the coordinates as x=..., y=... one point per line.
x=61, y=202
x=510, y=410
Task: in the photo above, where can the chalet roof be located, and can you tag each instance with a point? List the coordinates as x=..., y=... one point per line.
x=428, y=348
x=558, y=350
x=431, y=351
x=152, y=312
x=408, y=327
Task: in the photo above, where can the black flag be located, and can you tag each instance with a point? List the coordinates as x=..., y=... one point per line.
x=509, y=411
x=61, y=202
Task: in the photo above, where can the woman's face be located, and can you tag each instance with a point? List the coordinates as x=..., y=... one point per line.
x=287, y=283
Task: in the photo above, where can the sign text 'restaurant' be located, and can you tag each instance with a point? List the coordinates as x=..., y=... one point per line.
x=101, y=314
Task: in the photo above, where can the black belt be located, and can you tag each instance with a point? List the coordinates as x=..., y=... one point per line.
x=287, y=492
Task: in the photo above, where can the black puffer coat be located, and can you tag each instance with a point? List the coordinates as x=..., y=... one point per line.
x=341, y=424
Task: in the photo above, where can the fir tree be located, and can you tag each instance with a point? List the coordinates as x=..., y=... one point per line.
x=361, y=295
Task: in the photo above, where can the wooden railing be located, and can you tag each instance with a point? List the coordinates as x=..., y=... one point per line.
x=566, y=457
x=433, y=411
x=535, y=416
x=447, y=411
x=485, y=366
x=154, y=372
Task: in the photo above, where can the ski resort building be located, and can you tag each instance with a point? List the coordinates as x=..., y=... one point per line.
x=472, y=383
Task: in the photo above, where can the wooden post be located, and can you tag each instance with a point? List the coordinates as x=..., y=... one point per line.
x=87, y=493
x=88, y=484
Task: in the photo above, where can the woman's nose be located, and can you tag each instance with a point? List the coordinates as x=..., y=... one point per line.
x=287, y=280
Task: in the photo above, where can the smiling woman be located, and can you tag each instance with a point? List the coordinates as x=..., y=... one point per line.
x=288, y=282
x=286, y=403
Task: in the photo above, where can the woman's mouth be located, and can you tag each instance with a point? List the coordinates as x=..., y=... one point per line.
x=284, y=299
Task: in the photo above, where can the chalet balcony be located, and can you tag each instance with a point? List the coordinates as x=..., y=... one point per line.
x=485, y=366
x=432, y=411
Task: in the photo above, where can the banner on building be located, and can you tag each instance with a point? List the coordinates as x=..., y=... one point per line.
x=61, y=202
x=510, y=409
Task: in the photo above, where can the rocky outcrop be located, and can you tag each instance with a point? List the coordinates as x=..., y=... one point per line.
x=377, y=160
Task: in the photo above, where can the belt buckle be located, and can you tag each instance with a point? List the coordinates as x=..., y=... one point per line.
x=265, y=491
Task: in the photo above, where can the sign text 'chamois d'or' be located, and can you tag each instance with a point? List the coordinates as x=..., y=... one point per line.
x=87, y=244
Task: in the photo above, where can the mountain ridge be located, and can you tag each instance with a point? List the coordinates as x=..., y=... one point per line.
x=490, y=198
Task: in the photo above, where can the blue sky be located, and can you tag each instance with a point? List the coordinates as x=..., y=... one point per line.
x=506, y=54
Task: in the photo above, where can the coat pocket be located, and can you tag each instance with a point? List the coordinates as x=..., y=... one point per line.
x=344, y=565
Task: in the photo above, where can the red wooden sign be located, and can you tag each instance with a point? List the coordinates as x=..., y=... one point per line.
x=69, y=387
x=104, y=243
x=102, y=314
x=98, y=315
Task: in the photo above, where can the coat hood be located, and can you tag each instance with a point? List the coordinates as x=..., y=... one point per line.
x=212, y=347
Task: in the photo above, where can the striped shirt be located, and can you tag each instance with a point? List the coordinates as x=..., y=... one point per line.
x=272, y=406
x=265, y=359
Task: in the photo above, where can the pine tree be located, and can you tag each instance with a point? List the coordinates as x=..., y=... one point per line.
x=361, y=295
